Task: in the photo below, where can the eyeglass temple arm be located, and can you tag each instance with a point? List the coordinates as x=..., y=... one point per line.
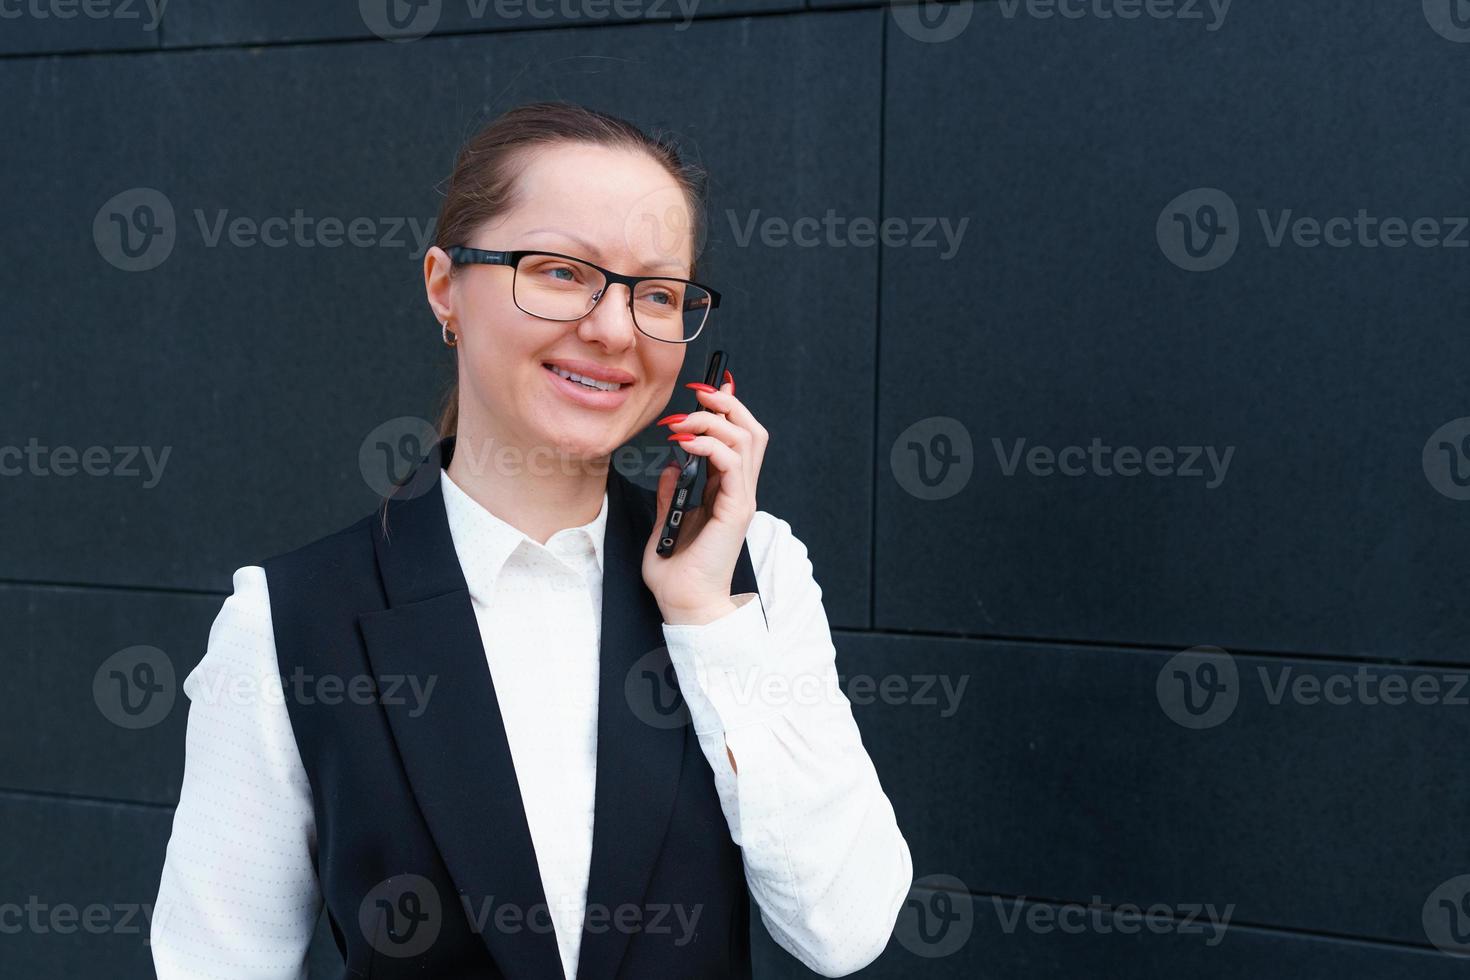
x=463, y=253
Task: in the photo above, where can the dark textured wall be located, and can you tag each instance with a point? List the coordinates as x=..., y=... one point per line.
x=1139, y=503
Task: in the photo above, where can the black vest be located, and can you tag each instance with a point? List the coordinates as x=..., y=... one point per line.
x=423, y=851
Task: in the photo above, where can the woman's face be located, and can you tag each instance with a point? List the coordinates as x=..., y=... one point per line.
x=611, y=207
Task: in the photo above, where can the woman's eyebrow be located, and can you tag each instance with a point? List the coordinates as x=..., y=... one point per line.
x=592, y=251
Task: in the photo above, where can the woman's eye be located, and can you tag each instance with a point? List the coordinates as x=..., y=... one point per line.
x=569, y=277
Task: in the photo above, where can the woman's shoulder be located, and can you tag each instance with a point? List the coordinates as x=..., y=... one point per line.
x=333, y=561
x=354, y=540
x=241, y=638
x=339, y=562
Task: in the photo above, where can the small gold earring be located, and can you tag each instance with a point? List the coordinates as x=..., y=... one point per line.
x=450, y=339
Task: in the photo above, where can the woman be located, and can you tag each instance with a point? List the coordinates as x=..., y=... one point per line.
x=513, y=740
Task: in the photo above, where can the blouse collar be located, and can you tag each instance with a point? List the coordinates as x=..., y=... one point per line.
x=495, y=540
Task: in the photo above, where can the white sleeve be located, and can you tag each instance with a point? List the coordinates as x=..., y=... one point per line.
x=238, y=896
x=823, y=853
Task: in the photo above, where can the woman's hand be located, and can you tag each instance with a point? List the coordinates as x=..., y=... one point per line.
x=693, y=584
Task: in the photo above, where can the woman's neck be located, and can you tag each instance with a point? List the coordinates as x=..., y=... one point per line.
x=536, y=491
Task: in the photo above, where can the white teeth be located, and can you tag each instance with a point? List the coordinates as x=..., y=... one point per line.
x=589, y=382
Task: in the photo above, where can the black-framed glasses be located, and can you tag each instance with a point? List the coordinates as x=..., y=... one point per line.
x=554, y=286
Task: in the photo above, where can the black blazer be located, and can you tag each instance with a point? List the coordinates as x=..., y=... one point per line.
x=423, y=851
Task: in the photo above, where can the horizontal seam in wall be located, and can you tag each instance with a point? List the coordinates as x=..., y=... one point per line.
x=40, y=796
x=257, y=45
x=1244, y=926
x=1124, y=646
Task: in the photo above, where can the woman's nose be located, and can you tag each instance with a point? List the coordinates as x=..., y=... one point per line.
x=612, y=315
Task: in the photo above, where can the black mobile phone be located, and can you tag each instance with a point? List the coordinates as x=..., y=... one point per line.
x=692, y=466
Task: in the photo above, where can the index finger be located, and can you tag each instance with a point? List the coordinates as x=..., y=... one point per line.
x=724, y=401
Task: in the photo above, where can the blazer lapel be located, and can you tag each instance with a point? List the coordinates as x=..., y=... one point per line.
x=455, y=751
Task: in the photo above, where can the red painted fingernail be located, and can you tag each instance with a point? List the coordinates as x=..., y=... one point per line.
x=671, y=419
x=700, y=386
x=730, y=380
x=682, y=436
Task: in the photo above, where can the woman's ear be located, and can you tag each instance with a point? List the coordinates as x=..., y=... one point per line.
x=437, y=282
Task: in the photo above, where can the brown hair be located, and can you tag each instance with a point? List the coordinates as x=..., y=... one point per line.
x=483, y=183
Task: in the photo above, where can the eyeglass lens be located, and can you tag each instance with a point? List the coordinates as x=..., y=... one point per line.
x=555, y=288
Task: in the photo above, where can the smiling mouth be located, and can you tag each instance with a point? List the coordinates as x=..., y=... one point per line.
x=589, y=383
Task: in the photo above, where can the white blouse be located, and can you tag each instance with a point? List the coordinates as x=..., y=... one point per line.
x=824, y=858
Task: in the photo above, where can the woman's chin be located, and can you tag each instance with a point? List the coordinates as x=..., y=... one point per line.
x=582, y=443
